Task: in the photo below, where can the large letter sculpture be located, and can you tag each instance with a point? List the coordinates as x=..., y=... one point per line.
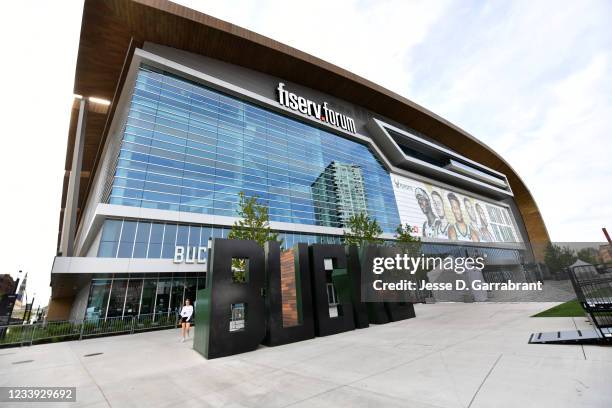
x=240, y=309
x=324, y=324
x=277, y=334
x=213, y=337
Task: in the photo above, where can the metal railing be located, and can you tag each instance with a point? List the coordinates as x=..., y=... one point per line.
x=593, y=287
x=54, y=331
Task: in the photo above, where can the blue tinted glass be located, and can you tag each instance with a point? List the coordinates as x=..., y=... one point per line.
x=154, y=251
x=182, y=237
x=140, y=250
x=169, y=241
x=206, y=234
x=107, y=249
x=111, y=230
x=129, y=231
x=142, y=234
x=157, y=233
x=190, y=148
x=194, y=236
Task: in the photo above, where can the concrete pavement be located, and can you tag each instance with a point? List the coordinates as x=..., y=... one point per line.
x=450, y=355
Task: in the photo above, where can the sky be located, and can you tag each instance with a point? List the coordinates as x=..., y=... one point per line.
x=530, y=79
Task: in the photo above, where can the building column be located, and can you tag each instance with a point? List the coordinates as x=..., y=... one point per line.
x=74, y=181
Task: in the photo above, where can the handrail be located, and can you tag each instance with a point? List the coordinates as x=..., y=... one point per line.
x=61, y=330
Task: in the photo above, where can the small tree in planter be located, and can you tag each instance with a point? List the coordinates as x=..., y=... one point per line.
x=254, y=224
x=362, y=230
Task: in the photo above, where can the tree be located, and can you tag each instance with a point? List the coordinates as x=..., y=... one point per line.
x=254, y=225
x=558, y=258
x=403, y=234
x=362, y=229
x=410, y=244
x=589, y=255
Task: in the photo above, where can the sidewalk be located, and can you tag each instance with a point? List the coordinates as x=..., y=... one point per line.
x=450, y=355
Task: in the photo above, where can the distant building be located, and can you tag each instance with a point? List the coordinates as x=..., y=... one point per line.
x=339, y=193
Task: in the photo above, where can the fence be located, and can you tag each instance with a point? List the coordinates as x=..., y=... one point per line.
x=45, y=332
x=593, y=287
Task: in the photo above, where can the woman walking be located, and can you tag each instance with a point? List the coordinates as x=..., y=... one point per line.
x=186, y=314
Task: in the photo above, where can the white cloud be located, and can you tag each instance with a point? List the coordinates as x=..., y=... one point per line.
x=368, y=38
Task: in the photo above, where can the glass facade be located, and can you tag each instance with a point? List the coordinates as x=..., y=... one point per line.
x=145, y=239
x=188, y=148
x=167, y=235
x=142, y=294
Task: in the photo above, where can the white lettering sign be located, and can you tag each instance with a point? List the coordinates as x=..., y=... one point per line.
x=190, y=254
x=310, y=108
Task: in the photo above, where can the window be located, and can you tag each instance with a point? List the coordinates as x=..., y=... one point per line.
x=155, y=241
x=169, y=241
x=98, y=298
x=126, y=243
x=117, y=298
x=185, y=151
x=142, y=239
x=162, y=304
x=149, y=290
x=110, y=239
x=132, y=298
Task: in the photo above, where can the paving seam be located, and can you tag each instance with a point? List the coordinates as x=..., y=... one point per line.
x=91, y=377
x=484, y=380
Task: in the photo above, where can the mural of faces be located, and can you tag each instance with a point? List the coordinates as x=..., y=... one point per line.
x=443, y=214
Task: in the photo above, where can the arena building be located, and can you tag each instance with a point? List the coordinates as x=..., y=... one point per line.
x=176, y=112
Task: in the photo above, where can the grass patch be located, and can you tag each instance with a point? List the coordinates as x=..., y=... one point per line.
x=567, y=309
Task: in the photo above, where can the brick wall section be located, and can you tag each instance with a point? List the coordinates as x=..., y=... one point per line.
x=288, y=291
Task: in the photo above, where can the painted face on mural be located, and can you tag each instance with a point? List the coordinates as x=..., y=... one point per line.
x=423, y=200
x=481, y=215
x=455, y=207
x=470, y=209
x=438, y=204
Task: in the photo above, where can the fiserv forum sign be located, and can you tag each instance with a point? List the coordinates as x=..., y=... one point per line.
x=314, y=109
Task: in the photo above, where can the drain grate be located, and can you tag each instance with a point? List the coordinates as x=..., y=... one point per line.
x=22, y=361
x=92, y=354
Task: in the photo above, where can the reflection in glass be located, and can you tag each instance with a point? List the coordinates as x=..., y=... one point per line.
x=191, y=285
x=148, y=296
x=163, y=295
x=155, y=242
x=110, y=239
x=178, y=288
x=169, y=241
x=98, y=298
x=132, y=298
x=126, y=243
x=206, y=146
x=117, y=298
x=142, y=239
